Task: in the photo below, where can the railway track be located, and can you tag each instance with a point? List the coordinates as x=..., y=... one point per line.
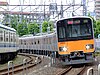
x=65, y=71
x=73, y=71
x=82, y=70
x=19, y=68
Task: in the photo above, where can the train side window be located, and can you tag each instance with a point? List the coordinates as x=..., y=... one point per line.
x=1, y=32
x=4, y=36
x=44, y=40
x=32, y=41
x=6, y=39
x=38, y=42
x=9, y=36
x=50, y=40
x=47, y=40
x=35, y=42
x=24, y=42
x=11, y=39
x=0, y=38
x=14, y=36
x=21, y=41
x=1, y=35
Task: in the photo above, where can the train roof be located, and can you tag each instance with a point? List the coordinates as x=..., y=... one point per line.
x=36, y=37
x=7, y=28
x=73, y=17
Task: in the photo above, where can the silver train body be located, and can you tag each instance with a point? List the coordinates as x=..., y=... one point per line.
x=42, y=44
x=8, y=43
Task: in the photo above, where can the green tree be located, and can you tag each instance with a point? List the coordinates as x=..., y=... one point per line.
x=22, y=28
x=14, y=22
x=44, y=26
x=47, y=24
x=97, y=28
x=51, y=25
x=6, y=19
x=33, y=28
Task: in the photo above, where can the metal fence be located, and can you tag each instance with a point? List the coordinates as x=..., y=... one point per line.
x=97, y=45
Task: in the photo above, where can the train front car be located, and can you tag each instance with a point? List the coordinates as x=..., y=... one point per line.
x=8, y=44
x=75, y=40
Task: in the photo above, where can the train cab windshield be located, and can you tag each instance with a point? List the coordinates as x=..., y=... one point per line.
x=74, y=29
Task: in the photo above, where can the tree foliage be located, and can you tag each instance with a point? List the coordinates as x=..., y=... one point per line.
x=51, y=25
x=14, y=22
x=6, y=19
x=22, y=28
x=47, y=24
x=44, y=26
x=96, y=26
x=33, y=28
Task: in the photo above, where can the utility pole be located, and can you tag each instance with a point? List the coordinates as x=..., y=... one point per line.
x=61, y=10
x=44, y=10
x=84, y=8
x=73, y=3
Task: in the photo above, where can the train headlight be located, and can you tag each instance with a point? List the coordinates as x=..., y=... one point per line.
x=63, y=49
x=89, y=46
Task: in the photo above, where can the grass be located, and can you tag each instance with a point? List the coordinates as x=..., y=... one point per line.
x=16, y=61
x=97, y=53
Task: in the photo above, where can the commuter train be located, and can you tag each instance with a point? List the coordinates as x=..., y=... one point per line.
x=72, y=42
x=75, y=40
x=8, y=43
x=44, y=44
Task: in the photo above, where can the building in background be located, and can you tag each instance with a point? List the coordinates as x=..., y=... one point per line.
x=97, y=9
x=40, y=10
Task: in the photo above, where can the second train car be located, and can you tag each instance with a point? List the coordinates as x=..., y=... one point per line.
x=75, y=40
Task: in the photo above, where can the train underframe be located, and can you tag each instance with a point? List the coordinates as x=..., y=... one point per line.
x=39, y=52
x=5, y=57
x=75, y=58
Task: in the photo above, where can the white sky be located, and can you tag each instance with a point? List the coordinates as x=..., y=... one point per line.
x=37, y=2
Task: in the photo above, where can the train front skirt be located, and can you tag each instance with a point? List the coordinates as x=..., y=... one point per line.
x=77, y=60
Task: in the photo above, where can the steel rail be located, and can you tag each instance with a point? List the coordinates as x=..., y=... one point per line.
x=65, y=71
x=19, y=68
x=82, y=70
